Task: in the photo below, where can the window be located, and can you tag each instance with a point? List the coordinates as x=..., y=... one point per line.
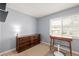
x=66, y=26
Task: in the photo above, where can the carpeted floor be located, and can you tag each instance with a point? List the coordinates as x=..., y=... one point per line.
x=38, y=50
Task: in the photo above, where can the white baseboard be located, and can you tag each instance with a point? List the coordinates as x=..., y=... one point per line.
x=8, y=51
x=62, y=48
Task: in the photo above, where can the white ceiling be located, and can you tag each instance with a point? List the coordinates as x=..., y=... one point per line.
x=40, y=9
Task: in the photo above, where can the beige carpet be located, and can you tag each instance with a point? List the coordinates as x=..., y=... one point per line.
x=38, y=50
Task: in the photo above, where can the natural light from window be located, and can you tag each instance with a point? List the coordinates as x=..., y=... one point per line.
x=65, y=26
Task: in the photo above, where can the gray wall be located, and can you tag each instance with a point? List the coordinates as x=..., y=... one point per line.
x=44, y=25
x=0, y=35
x=7, y=33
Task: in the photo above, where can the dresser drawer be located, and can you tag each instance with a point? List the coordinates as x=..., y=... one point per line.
x=24, y=39
x=24, y=44
x=21, y=42
x=35, y=40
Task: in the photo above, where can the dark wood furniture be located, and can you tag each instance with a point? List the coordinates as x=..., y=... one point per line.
x=62, y=38
x=25, y=42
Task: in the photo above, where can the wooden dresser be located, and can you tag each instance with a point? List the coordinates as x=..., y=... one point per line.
x=25, y=42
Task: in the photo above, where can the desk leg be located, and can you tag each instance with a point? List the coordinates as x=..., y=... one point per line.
x=53, y=43
x=50, y=44
x=70, y=49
